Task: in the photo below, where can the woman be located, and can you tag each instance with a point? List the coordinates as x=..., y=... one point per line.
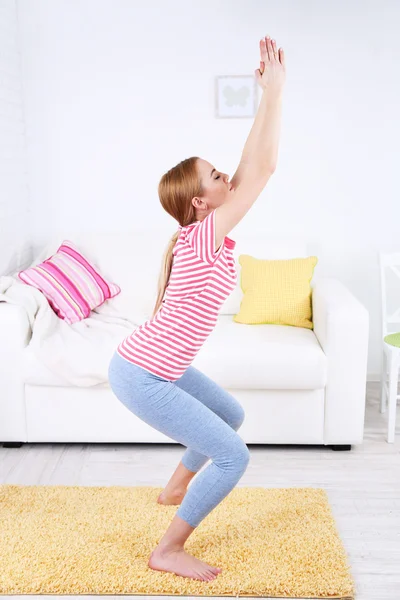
x=150, y=372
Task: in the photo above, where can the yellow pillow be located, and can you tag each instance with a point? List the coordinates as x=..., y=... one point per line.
x=276, y=291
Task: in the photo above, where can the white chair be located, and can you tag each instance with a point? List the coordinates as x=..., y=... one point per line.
x=390, y=342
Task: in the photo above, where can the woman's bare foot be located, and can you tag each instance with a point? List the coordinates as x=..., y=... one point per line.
x=182, y=563
x=171, y=497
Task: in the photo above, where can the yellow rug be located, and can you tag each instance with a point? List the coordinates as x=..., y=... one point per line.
x=277, y=542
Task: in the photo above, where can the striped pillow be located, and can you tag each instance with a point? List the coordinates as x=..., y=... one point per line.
x=70, y=283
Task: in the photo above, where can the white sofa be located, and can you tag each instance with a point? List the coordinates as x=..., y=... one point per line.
x=296, y=385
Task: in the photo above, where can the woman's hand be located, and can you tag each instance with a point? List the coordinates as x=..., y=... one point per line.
x=272, y=71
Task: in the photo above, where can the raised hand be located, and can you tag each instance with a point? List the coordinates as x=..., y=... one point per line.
x=272, y=71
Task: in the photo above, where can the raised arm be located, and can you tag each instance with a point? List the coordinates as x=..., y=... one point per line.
x=262, y=143
x=261, y=150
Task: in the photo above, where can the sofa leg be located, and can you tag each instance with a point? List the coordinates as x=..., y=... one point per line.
x=12, y=444
x=340, y=446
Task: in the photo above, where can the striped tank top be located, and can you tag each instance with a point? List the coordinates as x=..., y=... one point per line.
x=200, y=281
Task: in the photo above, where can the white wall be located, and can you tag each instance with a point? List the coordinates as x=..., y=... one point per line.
x=14, y=205
x=119, y=91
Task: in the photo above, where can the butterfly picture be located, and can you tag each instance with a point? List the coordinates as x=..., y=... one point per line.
x=236, y=96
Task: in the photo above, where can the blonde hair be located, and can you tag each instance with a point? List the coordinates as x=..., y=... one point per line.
x=176, y=189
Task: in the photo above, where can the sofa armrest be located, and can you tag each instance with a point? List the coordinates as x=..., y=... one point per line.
x=15, y=335
x=341, y=325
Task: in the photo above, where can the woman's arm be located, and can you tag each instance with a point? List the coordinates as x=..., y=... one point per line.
x=261, y=147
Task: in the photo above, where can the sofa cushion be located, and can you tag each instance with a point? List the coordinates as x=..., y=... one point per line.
x=34, y=372
x=236, y=356
x=276, y=292
x=72, y=285
x=125, y=257
x=241, y=356
x=265, y=245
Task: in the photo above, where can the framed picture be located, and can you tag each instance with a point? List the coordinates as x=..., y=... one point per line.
x=235, y=96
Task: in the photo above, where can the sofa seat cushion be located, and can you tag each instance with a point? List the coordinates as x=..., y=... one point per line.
x=241, y=356
x=35, y=372
x=235, y=355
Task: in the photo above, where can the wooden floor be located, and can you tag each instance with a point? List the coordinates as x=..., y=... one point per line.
x=363, y=486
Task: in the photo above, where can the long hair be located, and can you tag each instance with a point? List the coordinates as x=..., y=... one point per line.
x=176, y=189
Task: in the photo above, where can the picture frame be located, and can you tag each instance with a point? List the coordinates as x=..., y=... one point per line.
x=235, y=96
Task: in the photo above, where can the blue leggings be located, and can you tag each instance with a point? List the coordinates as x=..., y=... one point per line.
x=196, y=412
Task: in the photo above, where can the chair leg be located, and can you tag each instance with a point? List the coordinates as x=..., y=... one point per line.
x=392, y=395
x=383, y=381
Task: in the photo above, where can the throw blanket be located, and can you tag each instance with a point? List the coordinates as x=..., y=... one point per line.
x=79, y=353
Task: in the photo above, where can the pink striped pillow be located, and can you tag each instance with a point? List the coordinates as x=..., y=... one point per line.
x=70, y=283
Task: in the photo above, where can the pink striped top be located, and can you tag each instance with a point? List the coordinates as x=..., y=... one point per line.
x=200, y=281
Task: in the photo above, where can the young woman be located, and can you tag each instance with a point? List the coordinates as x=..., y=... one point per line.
x=151, y=372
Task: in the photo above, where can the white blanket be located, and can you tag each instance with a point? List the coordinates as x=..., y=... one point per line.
x=79, y=353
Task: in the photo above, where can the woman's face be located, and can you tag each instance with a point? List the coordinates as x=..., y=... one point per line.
x=217, y=188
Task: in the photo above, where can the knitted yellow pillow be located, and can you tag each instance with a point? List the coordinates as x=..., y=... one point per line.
x=276, y=291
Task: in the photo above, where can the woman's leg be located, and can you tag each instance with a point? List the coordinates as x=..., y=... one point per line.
x=221, y=402
x=179, y=415
x=182, y=417
x=176, y=488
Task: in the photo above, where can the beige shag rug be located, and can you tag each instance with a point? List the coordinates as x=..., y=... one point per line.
x=276, y=542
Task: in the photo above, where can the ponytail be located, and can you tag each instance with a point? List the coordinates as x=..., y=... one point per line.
x=165, y=272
